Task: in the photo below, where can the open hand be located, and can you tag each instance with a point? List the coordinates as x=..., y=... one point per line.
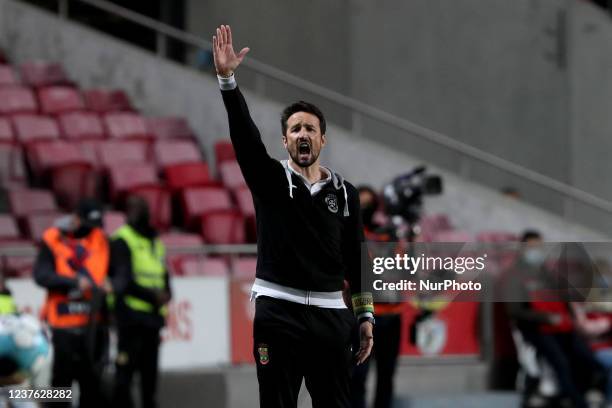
x=366, y=341
x=226, y=60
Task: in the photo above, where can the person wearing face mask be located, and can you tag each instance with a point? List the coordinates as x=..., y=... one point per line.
x=141, y=294
x=72, y=265
x=545, y=320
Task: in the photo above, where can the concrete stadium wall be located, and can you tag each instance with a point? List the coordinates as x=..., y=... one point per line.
x=591, y=98
x=524, y=79
x=161, y=87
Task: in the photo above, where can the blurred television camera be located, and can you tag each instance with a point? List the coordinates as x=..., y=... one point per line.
x=403, y=199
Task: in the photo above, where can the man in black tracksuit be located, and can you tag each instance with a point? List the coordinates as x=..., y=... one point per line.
x=309, y=241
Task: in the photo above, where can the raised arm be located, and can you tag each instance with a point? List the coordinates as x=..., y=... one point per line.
x=254, y=161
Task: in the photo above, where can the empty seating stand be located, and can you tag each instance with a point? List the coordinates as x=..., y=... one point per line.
x=41, y=74
x=223, y=227
x=12, y=167
x=126, y=125
x=200, y=200
x=17, y=99
x=8, y=229
x=35, y=128
x=181, y=176
x=30, y=201
x=224, y=151
x=172, y=127
x=36, y=224
x=81, y=126
x=107, y=100
x=176, y=240
x=231, y=175
x=168, y=153
x=114, y=152
x=59, y=99
x=244, y=199
x=6, y=132
x=124, y=178
x=7, y=76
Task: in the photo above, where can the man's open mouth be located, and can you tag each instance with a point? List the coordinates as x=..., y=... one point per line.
x=304, y=148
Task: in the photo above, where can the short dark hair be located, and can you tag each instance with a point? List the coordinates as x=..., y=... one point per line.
x=302, y=106
x=530, y=234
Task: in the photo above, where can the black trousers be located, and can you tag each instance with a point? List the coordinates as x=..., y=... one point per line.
x=386, y=350
x=293, y=342
x=137, y=352
x=574, y=364
x=75, y=358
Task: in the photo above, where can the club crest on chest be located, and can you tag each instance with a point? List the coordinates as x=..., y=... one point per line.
x=332, y=203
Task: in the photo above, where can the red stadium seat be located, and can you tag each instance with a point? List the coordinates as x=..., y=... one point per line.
x=173, y=240
x=33, y=128
x=12, y=168
x=245, y=201
x=244, y=267
x=160, y=205
x=181, y=176
x=112, y=221
x=46, y=156
x=124, y=178
x=168, y=153
x=17, y=266
x=200, y=266
x=61, y=165
x=107, y=100
x=26, y=201
x=7, y=76
x=81, y=126
x=90, y=151
x=224, y=151
x=169, y=128
x=197, y=201
x=115, y=152
x=3, y=57
x=126, y=125
x=8, y=228
x=247, y=209
x=36, y=224
x=223, y=227
x=231, y=175
x=39, y=74
x=54, y=100
x=16, y=99
x=6, y=132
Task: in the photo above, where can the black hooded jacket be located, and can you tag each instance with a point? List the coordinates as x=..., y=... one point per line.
x=307, y=242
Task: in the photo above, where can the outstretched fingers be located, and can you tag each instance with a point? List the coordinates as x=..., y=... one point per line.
x=229, y=34
x=243, y=52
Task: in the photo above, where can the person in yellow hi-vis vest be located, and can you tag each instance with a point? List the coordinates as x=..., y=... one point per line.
x=141, y=294
x=7, y=303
